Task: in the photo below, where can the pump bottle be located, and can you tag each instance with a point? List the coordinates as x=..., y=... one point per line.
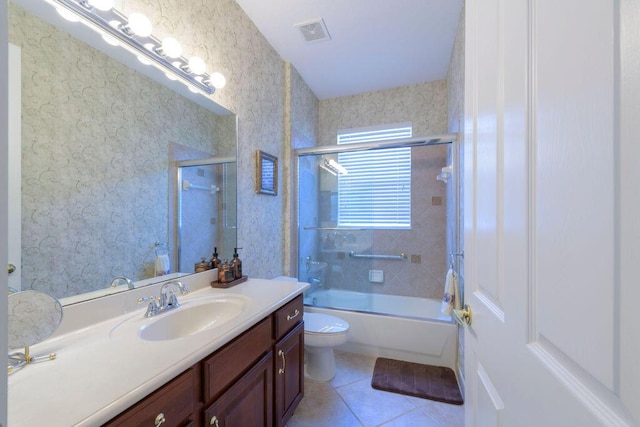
x=236, y=264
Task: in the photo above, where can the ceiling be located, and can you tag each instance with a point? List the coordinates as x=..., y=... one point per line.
x=373, y=45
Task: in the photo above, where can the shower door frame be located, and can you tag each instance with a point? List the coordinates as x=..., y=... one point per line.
x=418, y=141
x=177, y=207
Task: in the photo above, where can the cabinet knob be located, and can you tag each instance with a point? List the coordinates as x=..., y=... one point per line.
x=214, y=421
x=160, y=419
x=284, y=362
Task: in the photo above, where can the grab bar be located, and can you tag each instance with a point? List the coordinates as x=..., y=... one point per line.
x=400, y=257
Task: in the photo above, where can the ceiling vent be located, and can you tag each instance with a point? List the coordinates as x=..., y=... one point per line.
x=314, y=31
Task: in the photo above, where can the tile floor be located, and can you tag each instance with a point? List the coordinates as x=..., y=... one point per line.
x=350, y=401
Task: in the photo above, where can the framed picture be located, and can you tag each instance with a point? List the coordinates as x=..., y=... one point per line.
x=266, y=173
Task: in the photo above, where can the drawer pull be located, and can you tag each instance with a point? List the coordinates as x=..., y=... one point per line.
x=214, y=421
x=295, y=314
x=284, y=362
x=160, y=419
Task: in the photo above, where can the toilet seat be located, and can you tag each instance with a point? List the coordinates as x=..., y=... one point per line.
x=324, y=324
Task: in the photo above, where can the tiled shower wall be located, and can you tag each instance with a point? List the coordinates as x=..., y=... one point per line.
x=423, y=273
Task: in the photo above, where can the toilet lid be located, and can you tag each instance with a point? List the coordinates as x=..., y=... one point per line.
x=324, y=323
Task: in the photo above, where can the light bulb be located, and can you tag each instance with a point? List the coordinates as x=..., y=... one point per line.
x=217, y=80
x=68, y=15
x=197, y=65
x=144, y=60
x=170, y=76
x=171, y=47
x=139, y=25
x=101, y=4
x=111, y=40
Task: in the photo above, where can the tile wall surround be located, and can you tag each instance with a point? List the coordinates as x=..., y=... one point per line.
x=425, y=106
x=68, y=234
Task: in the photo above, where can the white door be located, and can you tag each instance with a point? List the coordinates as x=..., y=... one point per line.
x=552, y=212
x=14, y=168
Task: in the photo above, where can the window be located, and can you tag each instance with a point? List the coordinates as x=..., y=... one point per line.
x=376, y=190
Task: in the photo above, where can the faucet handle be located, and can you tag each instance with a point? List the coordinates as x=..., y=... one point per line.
x=152, y=308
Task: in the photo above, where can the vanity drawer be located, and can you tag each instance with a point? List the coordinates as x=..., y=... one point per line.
x=173, y=402
x=288, y=316
x=229, y=363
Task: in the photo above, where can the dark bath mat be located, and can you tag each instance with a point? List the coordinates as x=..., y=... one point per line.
x=414, y=379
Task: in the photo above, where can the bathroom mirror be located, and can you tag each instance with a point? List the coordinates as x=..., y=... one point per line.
x=33, y=317
x=99, y=143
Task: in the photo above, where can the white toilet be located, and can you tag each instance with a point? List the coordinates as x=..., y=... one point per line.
x=322, y=332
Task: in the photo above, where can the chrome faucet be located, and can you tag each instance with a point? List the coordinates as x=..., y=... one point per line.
x=167, y=300
x=120, y=280
x=170, y=300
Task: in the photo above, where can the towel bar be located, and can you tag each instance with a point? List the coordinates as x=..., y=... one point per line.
x=402, y=256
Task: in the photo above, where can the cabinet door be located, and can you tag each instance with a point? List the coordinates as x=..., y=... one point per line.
x=289, y=373
x=249, y=402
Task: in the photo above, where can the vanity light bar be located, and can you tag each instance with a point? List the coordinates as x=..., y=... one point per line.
x=115, y=24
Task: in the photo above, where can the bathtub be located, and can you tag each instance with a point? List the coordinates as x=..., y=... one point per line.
x=396, y=327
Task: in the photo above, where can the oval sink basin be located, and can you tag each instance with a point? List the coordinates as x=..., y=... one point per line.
x=193, y=317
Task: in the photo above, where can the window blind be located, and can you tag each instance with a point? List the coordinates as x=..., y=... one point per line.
x=376, y=191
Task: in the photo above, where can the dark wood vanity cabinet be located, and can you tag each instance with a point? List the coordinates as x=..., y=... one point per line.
x=173, y=405
x=255, y=380
x=289, y=359
x=249, y=401
x=289, y=374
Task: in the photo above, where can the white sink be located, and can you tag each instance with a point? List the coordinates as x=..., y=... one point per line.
x=190, y=318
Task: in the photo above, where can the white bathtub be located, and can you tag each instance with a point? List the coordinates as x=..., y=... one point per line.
x=405, y=328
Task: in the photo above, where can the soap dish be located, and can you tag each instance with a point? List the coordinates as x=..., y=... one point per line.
x=229, y=284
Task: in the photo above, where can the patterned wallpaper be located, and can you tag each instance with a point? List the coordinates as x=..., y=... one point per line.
x=425, y=105
x=219, y=32
x=95, y=161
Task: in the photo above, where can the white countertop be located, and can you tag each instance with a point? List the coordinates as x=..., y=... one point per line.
x=99, y=374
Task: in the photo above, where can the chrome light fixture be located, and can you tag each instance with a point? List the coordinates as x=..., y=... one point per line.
x=332, y=166
x=134, y=34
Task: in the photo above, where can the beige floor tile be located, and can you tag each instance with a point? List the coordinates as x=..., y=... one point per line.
x=320, y=407
x=413, y=419
x=445, y=413
x=350, y=401
x=373, y=407
x=352, y=367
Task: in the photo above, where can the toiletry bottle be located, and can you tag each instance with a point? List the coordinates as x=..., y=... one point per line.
x=201, y=266
x=225, y=274
x=236, y=264
x=215, y=261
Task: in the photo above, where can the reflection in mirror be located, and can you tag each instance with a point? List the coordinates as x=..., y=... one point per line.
x=99, y=144
x=32, y=317
x=207, y=188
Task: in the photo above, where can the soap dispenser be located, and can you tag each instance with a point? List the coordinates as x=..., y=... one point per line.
x=215, y=261
x=236, y=264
